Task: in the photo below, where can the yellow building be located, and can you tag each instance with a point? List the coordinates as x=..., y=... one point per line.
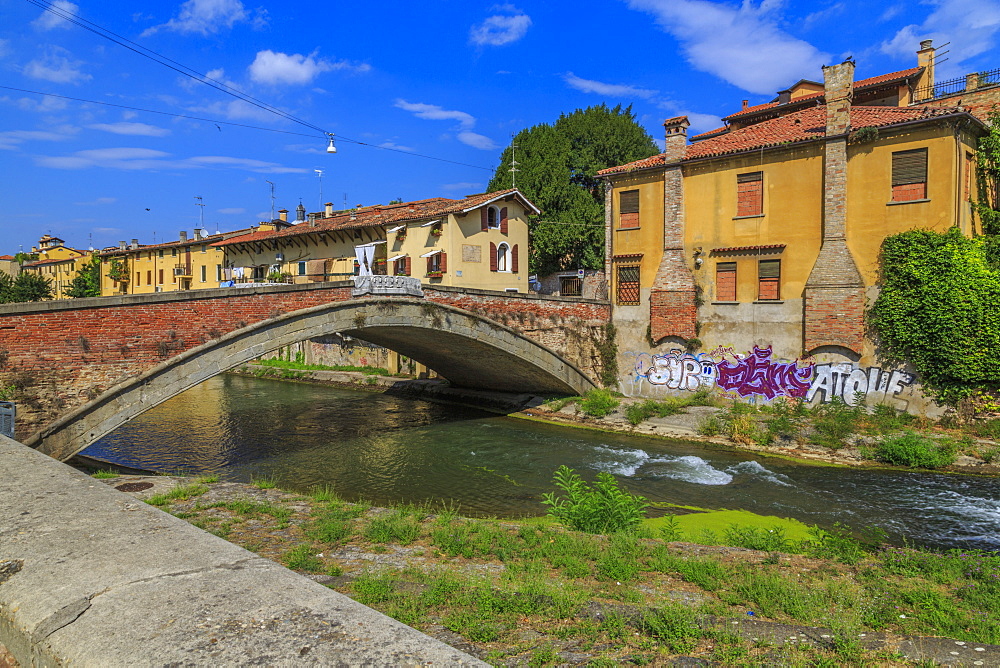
x=764, y=236
x=480, y=241
x=57, y=263
x=186, y=264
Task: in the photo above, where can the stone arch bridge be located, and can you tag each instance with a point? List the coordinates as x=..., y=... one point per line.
x=83, y=367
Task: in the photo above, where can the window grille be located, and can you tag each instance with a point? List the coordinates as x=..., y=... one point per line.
x=628, y=284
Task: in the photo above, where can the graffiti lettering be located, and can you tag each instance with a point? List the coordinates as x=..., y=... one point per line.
x=757, y=375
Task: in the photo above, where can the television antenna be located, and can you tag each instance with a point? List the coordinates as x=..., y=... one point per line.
x=319, y=173
x=272, y=197
x=201, y=204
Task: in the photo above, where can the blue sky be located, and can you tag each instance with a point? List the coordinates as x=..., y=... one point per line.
x=444, y=78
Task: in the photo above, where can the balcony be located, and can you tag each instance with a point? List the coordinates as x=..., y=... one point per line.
x=182, y=270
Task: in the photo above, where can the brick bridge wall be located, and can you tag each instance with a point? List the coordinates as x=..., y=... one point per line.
x=61, y=354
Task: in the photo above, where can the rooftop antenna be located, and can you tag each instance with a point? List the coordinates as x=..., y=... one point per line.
x=272, y=197
x=202, y=205
x=513, y=163
x=345, y=201
x=90, y=238
x=319, y=173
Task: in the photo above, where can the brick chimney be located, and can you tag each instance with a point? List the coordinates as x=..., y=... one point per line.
x=675, y=138
x=184, y=235
x=838, y=86
x=329, y=209
x=834, y=292
x=925, y=59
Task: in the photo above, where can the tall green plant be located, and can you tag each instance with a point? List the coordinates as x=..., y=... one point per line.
x=987, y=204
x=603, y=507
x=87, y=282
x=938, y=310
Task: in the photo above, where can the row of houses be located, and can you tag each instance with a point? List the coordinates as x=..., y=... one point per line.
x=746, y=256
x=480, y=241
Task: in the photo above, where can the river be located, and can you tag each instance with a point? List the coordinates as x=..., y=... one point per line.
x=388, y=449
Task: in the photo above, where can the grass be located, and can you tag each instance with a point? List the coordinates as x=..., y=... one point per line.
x=104, y=474
x=264, y=482
x=181, y=493
x=302, y=366
x=916, y=451
x=599, y=403
x=493, y=581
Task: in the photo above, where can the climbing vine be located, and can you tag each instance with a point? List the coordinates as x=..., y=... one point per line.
x=937, y=310
x=607, y=348
x=987, y=204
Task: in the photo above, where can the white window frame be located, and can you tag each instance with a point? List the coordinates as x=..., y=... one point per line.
x=503, y=257
x=493, y=211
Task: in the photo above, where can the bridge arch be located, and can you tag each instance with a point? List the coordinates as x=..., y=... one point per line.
x=467, y=349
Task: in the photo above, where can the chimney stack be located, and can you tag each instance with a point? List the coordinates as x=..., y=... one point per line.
x=746, y=104
x=675, y=138
x=838, y=85
x=121, y=245
x=198, y=233
x=925, y=59
x=184, y=235
x=135, y=244
x=312, y=219
x=329, y=209
x=283, y=215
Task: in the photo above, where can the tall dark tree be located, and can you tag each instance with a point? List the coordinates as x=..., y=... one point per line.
x=87, y=282
x=27, y=287
x=557, y=170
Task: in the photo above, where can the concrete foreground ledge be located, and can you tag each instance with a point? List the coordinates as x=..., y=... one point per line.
x=90, y=576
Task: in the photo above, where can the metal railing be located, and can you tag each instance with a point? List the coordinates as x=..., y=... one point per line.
x=968, y=83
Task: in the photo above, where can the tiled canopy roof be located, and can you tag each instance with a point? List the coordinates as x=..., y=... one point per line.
x=795, y=127
x=373, y=216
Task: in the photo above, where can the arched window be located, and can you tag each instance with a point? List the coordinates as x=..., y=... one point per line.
x=493, y=217
x=503, y=257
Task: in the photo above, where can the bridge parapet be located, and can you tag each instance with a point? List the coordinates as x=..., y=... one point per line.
x=63, y=354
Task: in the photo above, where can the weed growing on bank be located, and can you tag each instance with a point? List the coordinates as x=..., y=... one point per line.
x=302, y=366
x=603, y=507
x=599, y=403
x=915, y=451
x=528, y=592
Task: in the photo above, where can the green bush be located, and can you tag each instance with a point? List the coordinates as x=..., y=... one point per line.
x=599, y=508
x=915, y=451
x=598, y=403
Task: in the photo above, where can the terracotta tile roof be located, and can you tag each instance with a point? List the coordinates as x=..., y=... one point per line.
x=114, y=250
x=710, y=133
x=804, y=125
x=379, y=215
x=795, y=127
x=6, y=257
x=737, y=249
x=860, y=85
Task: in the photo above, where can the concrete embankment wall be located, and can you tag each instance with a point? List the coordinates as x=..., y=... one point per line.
x=90, y=576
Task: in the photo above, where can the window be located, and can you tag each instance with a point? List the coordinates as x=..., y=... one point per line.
x=149, y=277
x=437, y=263
x=204, y=248
x=302, y=267
x=725, y=282
x=401, y=266
x=628, y=284
x=173, y=252
x=769, y=280
x=161, y=276
x=628, y=210
x=970, y=175
x=161, y=255
x=502, y=259
x=750, y=194
x=138, y=279
x=909, y=175
x=492, y=217
x=204, y=273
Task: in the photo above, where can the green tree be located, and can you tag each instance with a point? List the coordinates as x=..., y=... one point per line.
x=557, y=170
x=937, y=310
x=87, y=282
x=27, y=287
x=987, y=204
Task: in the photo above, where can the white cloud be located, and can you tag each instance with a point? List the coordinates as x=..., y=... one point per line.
x=970, y=25
x=394, y=146
x=500, y=29
x=232, y=211
x=743, y=45
x=12, y=139
x=125, y=128
x=465, y=186
x=476, y=140
x=432, y=112
x=99, y=200
x=4, y=48
x=466, y=122
x=606, y=89
x=50, y=20
x=57, y=65
x=210, y=16
x=274, y=68
x=144, y=158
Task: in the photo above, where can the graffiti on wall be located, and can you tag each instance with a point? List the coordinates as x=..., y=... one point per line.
x=756, y=374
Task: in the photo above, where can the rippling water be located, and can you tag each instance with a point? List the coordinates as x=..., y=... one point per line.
x=387, y=449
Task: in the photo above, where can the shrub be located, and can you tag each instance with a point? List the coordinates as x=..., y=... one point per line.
x=756, y=538
x=637, y=413
x=835, y=421
x=915, y=451
x=598, y=403
x=599, y=508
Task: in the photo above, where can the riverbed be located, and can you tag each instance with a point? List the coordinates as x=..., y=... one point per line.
x=387, y=449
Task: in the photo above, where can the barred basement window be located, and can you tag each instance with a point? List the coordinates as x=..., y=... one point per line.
x=725, y=282
x=628, y=210
x=628, y=285
x=769, y=280
x=909, y=175
x=750, y=194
